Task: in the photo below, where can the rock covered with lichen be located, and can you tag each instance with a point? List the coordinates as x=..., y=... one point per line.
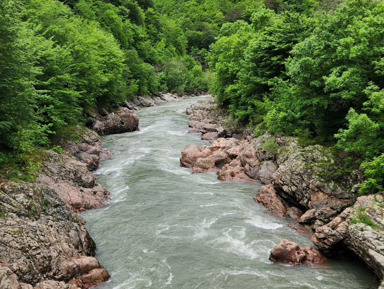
x=42, y=240
x=361, y=229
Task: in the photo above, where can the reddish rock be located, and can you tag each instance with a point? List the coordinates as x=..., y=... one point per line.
x=124, y=120
x=288, y=252
x=105, y=154
x=294, y=213
x=8, y=280
x=268, y=197
x=233, y=172
x=93, y=278
x=250, y=161
x=190, y=154
x=211, y=163
x=210, y=136
x=73, y=182
x=309, y=217
x=328, y=236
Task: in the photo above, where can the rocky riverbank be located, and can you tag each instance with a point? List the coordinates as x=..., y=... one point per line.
x=44, y=243
x=296, y=185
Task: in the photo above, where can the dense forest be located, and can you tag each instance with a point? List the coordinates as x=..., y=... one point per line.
x=305, y=68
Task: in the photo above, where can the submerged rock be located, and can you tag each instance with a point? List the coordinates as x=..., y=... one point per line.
x=290, y=253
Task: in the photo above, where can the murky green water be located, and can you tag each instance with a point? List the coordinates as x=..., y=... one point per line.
x=168, y=228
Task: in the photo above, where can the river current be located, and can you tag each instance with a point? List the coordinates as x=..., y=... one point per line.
x=168, y=228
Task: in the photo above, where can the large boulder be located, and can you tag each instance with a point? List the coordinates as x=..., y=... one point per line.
x=39, y=233
x=299, y=179
x=123, y=120
x=268, y=197
x=290, y=253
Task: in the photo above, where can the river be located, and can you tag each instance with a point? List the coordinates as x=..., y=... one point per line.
x=168, y=228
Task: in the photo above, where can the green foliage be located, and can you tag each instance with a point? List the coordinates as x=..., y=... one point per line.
x=316, y=75
x=374, y=173
x=270, y=146
x=363, y=217
x=63, y=60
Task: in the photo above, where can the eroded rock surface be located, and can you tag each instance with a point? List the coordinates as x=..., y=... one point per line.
x=123, y=120
x=87, y=148
x=38, y=234
x=73, y=182
x=361, y=229
x=207, y=119
x=290, y=253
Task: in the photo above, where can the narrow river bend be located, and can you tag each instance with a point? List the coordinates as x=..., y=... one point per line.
x=168, y=228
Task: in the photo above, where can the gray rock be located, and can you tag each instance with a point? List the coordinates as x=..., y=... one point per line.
x=267, y=169
x=124, y=120
x=38, y=234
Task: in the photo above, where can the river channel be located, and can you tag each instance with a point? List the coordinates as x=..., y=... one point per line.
x=168, y=228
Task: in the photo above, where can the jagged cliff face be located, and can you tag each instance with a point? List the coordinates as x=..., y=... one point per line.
x=41, y=238
x=361, y=228
x=43, y=242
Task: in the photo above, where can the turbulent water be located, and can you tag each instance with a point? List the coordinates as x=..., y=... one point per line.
x=168, y=228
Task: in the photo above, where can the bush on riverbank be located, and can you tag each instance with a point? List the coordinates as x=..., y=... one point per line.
x=314, y=75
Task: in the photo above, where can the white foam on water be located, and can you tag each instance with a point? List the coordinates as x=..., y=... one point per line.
x=209, y=205
x=235, y=246
x=108, y=172
x=263, y=224
x=119, y=194
x=246, y=271
x=177, y=133
x=202, y=193
x=176, y=171
x=163, y=228
x=202, y=227
x=170, y=278
x=135, y=282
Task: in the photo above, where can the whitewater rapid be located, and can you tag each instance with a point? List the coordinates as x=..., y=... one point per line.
x=168, y=228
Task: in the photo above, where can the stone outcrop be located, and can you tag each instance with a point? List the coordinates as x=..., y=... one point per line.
x=295, y=172
x=207, y=119
x=42, y=242
x=123, y=120
x=223, y=156
x=268, y=197
x=359, y=228
x=73, y=182
x=290, y=253
x=298, y=178
x=86, y=148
